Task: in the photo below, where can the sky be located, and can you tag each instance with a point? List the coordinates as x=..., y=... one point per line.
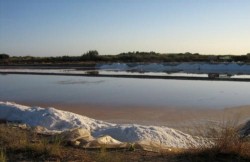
x=72, y=27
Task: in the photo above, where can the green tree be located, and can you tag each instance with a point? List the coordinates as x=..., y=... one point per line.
x=248, y=56
x=90, y=55
x=4, y=56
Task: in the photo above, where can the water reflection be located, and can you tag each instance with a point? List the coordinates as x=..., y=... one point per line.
x=132, y=72
x=80, y=82
x=92, y=72
x=123, y=91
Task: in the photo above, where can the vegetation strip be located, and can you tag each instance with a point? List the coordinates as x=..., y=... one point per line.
x=135, y=56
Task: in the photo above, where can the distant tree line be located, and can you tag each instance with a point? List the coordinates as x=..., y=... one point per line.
x=93, y=57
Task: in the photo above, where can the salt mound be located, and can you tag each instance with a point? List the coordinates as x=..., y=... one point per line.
x=107, y=140
x=57, y=120
x=50, y=118
x=245, y=130
x=76, y=134
x=162, y=135
x=189, y=67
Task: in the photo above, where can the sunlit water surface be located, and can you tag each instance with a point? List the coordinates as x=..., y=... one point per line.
x=123, y=91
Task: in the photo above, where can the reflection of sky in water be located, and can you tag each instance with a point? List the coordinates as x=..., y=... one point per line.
x=123, y=91
x=79, y=82
x=119, y=72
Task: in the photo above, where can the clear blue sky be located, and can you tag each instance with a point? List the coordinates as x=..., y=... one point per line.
x=72, y=27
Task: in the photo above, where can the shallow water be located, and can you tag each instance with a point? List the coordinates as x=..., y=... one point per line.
x=122, y=72
x=122, y=92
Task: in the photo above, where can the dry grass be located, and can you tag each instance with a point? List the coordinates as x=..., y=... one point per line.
x=3, y=157
x=229, y=141
x=22, y=145
x=105, y=156
x=228, y=144
x=27, y=143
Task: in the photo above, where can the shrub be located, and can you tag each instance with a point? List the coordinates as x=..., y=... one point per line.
x=3, y=157
x=55, y=146
x=227, y=145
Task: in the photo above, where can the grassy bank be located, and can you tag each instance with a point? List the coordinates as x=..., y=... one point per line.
x=17, y=144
